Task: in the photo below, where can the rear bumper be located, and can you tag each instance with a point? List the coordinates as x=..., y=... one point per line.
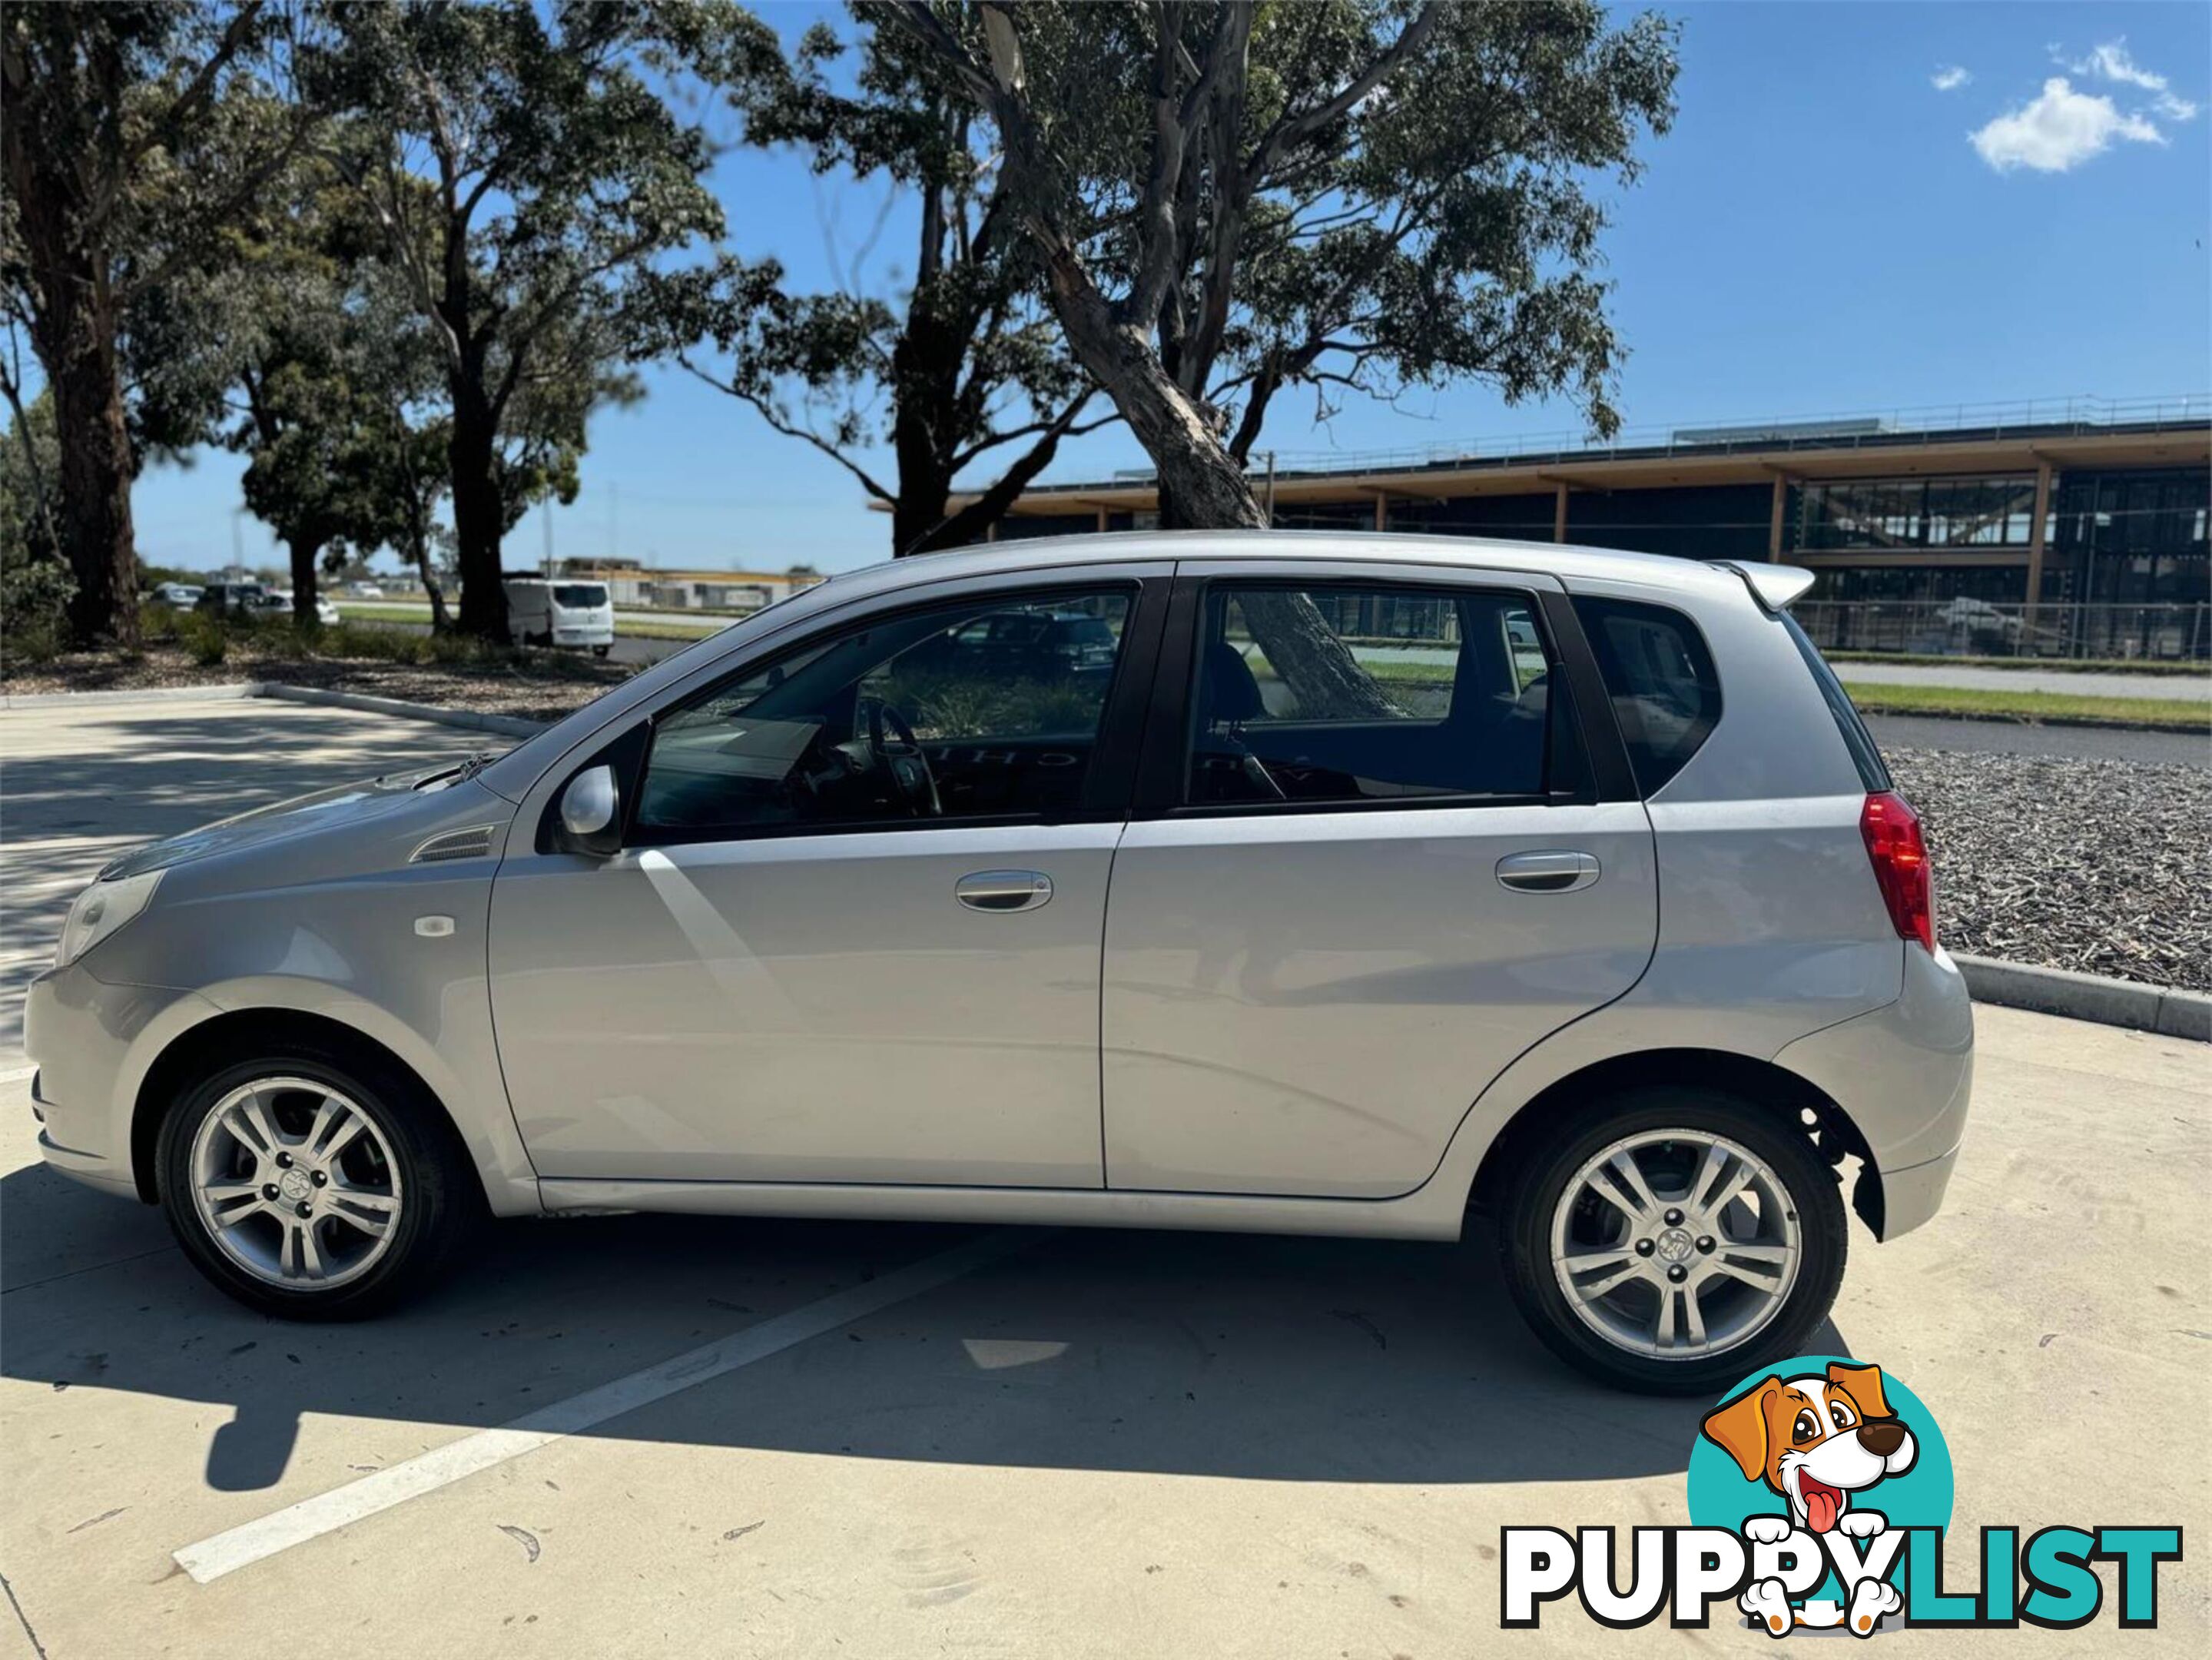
x=1904, y=1074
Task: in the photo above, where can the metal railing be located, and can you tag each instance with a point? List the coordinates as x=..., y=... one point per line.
x=1890, y=428
x=1975, y=628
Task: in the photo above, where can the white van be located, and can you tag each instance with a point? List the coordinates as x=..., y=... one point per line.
x=560, y=613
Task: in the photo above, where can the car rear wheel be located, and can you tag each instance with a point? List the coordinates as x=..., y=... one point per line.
x=1671, y=1239
x=312, y=1186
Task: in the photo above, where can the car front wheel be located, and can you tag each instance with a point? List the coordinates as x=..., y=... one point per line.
x=312, y=1186
x=1671, y=1239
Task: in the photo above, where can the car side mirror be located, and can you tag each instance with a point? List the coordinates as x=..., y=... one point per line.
x=591, y=813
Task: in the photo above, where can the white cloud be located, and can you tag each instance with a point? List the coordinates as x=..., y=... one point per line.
x=2060, y=129
x=1950, y=79
x=2112, y=62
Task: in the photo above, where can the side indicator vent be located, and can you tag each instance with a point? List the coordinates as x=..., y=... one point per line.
x=474, y=842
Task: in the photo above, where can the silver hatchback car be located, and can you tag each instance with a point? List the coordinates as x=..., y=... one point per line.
x=1365, y=885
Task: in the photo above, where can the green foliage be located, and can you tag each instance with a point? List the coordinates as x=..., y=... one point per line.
x=137, y=138
x=30, y=474
x=943, y=707
x=945, y=370
x=205, y=637
x=35, y=599
x=1348, y=194
x=525, y=175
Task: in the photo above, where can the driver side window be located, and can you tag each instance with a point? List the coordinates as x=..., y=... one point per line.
x=988, y=709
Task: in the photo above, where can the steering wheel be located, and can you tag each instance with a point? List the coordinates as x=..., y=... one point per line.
x=892, y=746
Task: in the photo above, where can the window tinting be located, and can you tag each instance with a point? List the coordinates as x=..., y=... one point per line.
x=1856, y=738
x=988, y=710
x=579, y=596
x=1660, y=678
x=1328, y=695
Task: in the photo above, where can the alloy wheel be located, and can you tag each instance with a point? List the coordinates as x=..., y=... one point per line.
x=296, y=1183
x=1675, y=1244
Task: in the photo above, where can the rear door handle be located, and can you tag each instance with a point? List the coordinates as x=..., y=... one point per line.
x=1546, y=873
x=1003, y=889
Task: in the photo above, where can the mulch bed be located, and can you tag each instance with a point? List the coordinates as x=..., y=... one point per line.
x=2103, y=866
x=543, y=686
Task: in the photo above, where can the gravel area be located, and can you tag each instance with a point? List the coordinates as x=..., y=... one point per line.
x=542, y=687
x=2104, y=867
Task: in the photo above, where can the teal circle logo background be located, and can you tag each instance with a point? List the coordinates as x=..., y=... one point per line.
x=1921, y=1498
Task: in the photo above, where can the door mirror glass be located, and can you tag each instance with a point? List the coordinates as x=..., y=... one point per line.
x=590, y=813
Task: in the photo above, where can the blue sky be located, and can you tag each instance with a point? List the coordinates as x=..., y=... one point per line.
x=1839, y=222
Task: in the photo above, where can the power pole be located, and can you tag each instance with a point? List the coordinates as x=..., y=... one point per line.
x=546, y=510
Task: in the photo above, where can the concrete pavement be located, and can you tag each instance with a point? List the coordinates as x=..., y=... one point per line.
x=1099, y=1443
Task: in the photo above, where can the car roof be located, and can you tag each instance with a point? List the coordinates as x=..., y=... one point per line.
x=1568, y=561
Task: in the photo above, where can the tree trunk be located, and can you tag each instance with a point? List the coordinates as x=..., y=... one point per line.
x=477, y=516
x=304, y=549
x=96, y=483
x=1202, y=487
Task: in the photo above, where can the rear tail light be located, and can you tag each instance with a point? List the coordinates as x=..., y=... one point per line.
x=1899, y=856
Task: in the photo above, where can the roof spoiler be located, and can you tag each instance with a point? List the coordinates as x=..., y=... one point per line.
x=1777, y=587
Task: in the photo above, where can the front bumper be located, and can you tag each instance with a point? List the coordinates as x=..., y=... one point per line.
x=1904, y=1074
x=93, y=1043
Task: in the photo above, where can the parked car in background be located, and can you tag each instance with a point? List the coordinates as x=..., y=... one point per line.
x=276, y=603
x=813, y=918
x=231, y=598
x=364, y=591
x=177, y=596
x=1026, y=644
x=559, y=612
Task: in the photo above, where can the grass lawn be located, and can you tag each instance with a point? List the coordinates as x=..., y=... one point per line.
x=370, y=612
x=2187, y=715
x=2030, y=664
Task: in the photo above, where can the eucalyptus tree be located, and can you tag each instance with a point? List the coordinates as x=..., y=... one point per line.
x=133, y=137
x=528, y=174
x=1228, y=198
x=960, y=366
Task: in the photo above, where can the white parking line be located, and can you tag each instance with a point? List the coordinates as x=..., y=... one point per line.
x=311, y=1518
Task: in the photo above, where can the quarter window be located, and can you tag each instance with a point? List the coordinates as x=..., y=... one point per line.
x=987, y=709
x=1350, y=694
x=1661, y=679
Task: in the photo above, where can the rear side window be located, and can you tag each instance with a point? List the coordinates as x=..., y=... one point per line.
x=1659, y=676
x=1336, y=693
x=1872, y=773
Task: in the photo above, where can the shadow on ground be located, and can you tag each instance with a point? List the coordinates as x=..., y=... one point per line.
x=162, y=773
x=1292, y=1359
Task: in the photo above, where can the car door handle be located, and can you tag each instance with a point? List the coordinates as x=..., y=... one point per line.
x=1546, y=873
x=1003, y=889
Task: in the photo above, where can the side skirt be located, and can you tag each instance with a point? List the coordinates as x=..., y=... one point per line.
x=1424, y=1215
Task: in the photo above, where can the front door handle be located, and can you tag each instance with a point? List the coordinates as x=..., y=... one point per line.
x=1003, y=889
x=1546, y=873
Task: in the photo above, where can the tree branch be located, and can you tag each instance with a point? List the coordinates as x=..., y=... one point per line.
x=792, y=429
x=1288, y=131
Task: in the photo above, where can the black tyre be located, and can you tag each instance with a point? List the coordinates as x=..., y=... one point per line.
x=601, y=651
x=314, y=1185
x=1670, y=1239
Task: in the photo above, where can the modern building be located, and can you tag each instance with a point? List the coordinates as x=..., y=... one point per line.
x=2064, y=528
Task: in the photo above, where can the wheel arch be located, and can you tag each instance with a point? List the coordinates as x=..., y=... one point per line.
x=209, y=1043
x=1763, y=1083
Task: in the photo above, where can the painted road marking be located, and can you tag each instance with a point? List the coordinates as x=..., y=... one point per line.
x=311, y=1518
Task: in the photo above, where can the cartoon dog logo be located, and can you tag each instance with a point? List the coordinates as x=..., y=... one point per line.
x=1818, y=1441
